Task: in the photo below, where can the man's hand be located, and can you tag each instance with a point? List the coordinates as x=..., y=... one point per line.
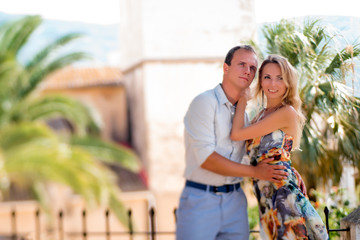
x=272, y=173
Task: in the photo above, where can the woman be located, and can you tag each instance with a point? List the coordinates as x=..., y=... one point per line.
x=285, y=213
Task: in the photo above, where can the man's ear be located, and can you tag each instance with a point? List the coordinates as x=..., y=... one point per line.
x=225, y=67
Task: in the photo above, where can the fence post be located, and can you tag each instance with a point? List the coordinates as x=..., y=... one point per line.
x=84, y=224
x=13, y=225
x=326, y=211
x=152, y=223
x=352, y=223
x=131, y=230
x=37, y=224
x=107, y=224
x=175, y=209
x=61, y=226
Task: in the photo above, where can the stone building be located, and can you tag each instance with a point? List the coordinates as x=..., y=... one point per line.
x=103, y=91
x=170, y=52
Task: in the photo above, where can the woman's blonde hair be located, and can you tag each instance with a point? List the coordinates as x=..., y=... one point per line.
x=291, y=96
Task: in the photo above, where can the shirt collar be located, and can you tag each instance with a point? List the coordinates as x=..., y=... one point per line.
x=220, y=95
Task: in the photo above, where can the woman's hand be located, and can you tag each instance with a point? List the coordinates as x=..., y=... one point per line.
x=245, y=96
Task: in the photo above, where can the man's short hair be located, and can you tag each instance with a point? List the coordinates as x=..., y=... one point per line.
x=230, y=54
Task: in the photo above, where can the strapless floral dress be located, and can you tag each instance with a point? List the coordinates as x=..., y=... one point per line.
x=285, y=212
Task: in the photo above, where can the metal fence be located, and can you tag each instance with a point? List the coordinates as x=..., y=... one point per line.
x=326, y=211
x=107, y=233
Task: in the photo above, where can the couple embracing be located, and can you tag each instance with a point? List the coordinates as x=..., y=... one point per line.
x=218, y=134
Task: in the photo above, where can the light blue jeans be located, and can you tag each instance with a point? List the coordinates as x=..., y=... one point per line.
x=203, y=215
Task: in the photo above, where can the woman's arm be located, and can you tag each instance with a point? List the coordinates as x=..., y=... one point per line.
x=284, y=118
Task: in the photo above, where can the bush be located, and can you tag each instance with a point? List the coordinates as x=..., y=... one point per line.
x=253, y=216
x=338, y=206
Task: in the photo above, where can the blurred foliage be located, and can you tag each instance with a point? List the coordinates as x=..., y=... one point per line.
x=253, y=217
x=32, y=155
x=337, y=204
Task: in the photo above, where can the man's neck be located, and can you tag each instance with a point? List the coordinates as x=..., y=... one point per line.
x=231, y=94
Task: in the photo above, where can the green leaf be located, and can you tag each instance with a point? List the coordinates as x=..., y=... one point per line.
x=331, y=134
x=108, y=152
x=32, y=155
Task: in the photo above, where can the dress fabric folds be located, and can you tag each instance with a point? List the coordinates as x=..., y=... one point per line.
x=285, y=212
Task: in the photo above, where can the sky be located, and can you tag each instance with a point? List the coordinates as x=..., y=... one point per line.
x=274, y=10
x=107, y=11
x=89, y=11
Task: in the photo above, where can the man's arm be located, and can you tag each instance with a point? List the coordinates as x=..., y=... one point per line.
x=200, y=134
x=221, y=165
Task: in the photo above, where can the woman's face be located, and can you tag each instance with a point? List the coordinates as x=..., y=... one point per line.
x=272, y=82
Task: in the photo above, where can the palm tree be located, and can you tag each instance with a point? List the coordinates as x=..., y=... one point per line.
x=32, y=155
x=332, y=130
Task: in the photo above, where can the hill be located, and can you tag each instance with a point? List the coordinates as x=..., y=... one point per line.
x=101, y=41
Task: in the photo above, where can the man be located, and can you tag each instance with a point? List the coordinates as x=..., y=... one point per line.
x=212, y=204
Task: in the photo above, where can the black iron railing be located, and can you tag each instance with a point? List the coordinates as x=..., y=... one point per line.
x=326, y=211
x=15, y=233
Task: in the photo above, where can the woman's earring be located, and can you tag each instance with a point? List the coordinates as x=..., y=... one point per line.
x=262, y=99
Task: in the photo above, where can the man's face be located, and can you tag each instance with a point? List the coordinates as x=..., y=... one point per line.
x=242, y=70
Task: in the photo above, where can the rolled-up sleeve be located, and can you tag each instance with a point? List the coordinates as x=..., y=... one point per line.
x=199, y=128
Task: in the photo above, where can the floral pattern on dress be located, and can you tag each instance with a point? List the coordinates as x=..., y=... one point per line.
x=285, y=213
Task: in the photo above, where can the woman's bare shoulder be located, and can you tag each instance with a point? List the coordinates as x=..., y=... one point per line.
x=289, y=110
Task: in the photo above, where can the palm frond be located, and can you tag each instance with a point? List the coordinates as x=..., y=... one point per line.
x=48, y=107
x=15, y=34
x=46, y=52
x=348, y=53
x=108, y=152
x=33, y=155
x=41, y=72
x=332, y=130
x=15, y=135
x=53, y=161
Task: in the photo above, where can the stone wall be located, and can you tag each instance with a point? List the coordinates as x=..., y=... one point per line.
x=170, y=52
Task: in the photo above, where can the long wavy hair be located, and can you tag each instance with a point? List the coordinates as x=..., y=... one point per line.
x=291, y=96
